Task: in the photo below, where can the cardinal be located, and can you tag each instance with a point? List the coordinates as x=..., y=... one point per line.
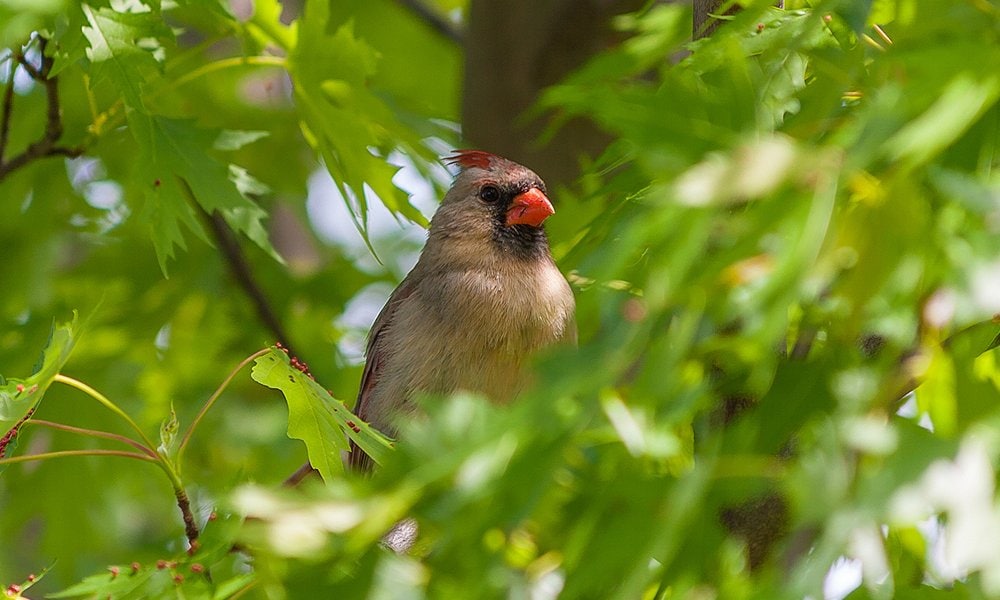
x=484, y=295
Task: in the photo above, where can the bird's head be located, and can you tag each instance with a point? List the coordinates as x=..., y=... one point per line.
x=496, y=200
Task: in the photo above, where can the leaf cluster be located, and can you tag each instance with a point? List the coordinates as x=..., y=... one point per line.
x=786, y=273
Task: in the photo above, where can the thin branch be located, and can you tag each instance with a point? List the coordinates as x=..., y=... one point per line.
x=211, y=400
x=65, y=453
x=219, y=65
x=47, y=145
x=190, y=528
x=86, y=389
x=94, y=433
x=299, y=475
x=240, y=268
x=8, y=106
x=434, y=20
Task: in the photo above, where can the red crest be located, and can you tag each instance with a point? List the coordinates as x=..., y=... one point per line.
x=467, y=159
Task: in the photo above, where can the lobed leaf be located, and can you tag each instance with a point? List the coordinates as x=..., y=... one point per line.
x=19, y=397
x=122, y=48
x=321, y=421
x=175, y=167
x=342, y=119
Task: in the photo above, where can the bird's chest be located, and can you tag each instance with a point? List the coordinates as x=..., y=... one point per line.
x=496, y=312
x=474, y=330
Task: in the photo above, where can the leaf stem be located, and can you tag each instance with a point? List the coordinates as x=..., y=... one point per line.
x=64, y=453
x=94, y=433
x=86, y=389
x=219, y=65
x=109, y=119
x=212, y=399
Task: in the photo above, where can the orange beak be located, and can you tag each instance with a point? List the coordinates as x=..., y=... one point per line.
x=529, y=208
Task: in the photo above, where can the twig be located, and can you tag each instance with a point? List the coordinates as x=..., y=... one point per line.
x=86, y=389
x=299, y=475
x=190, y=528
x=47, y=145
x=65, y=453
x=240, y=268
x=434, y=20
x=211, y=400
x=94, y=433
x=8, y=105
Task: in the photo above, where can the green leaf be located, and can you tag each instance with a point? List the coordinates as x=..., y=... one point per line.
x=175, y=168
x=963, y=101
x=231, y=139
x=176, y=578
x=18, y=397
x=19, y=18
x=936, y=395
x=321, y=421
x=342, y=119
x=123, y=48
x=109, y=585
x=217, y=537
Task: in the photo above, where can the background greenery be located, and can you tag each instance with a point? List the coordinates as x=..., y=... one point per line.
x=792, y=226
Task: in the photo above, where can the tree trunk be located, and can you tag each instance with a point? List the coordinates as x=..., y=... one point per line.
x=514, y=50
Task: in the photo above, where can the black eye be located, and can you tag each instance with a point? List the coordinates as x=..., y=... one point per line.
x=489, y=193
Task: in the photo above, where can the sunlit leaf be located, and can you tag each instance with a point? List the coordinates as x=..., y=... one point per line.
x=322, y=422
x=177, y=170
x=120, y=50
x=20, y=396
x=342, y=119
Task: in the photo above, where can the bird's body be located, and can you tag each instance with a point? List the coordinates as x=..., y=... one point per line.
x=484, y=295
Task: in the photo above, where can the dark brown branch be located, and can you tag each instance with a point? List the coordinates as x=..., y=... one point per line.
x=47, y=145
x=240, y=268
x=434, y=20
x=299, y=475
x=8, y=106
x=705, y=20
x=190, y=528
x=704, y=24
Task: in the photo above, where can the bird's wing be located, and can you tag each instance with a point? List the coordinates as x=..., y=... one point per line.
x=374, y=354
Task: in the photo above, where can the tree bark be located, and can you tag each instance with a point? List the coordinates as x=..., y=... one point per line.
x=514, y=50
x=704, y=24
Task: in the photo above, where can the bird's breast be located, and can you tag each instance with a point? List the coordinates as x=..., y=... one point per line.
x=475, y=329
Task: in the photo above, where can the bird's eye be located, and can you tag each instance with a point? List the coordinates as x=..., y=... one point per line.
x=489, y=193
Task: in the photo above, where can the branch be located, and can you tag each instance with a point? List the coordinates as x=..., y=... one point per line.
x=299, y=475
x=190, y=528
x=47, y=145
x=706, y=12
x=94, y=433
x=211, y=400
x=86, y=389
x=8, y=105
x=241, y=270
x=64, y=453
x=434, y=20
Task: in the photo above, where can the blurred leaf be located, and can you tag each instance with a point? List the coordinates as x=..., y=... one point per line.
x=936, y=395
x=234, y=140
x=19, y=18
x=109, y=585
x=963, y=102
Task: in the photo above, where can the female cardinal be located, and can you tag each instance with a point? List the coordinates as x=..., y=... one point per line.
x=483, y=296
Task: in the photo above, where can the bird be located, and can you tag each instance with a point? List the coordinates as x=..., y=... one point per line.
x=483, y=297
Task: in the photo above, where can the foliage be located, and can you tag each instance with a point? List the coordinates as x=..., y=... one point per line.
x=786, y=271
